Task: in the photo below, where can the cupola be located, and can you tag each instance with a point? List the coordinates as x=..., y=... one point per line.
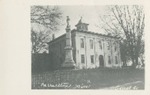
x=82, y=26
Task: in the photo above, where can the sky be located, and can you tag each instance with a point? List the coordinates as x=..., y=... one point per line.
x=89, y=14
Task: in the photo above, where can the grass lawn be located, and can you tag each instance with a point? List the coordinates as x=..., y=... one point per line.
x=121, y=79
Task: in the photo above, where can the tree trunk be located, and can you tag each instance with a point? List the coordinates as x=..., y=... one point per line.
x=136, y=61
x=124, y=63
x=133, y=63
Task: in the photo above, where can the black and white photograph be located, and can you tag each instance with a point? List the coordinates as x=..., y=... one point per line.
x=98, y=47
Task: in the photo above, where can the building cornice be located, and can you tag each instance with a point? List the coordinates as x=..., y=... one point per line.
x=81, y=31
x=90, y=32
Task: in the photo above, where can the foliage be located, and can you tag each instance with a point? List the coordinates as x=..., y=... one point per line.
x=39, y=40
x=127, y=22
x=50, y=19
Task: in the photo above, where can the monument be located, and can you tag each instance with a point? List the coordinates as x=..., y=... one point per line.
x=69, y=62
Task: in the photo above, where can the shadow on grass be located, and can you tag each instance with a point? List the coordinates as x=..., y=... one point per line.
x=87, y=79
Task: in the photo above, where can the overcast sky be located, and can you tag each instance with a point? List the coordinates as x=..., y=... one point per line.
x=90, y=15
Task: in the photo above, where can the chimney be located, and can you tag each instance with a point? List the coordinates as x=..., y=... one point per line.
x=53, y=36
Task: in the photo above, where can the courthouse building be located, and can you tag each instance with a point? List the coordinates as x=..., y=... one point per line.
x=89, y=49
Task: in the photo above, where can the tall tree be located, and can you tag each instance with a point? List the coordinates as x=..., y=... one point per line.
x=49, y=17
x=127, y=22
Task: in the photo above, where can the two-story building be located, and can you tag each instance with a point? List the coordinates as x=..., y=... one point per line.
x=90, y=50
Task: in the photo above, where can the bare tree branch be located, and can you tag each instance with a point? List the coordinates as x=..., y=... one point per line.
x=131, y=20
x=47, y=16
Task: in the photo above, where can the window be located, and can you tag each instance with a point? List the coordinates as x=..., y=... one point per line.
x=82, y=43
x=91, y=44
x=83, y=27
x=86, y=28
x=116, y=59
x=82, y=59
x=100, y=45
x=92, y=58
x=109, y=60
x=108, y=46
x=80, y=27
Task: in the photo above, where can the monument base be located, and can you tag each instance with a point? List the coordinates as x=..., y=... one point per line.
x=69, y=65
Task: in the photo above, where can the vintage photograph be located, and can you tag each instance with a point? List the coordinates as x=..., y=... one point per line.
x=87, y=47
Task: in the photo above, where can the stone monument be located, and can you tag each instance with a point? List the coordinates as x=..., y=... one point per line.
x=69, y=62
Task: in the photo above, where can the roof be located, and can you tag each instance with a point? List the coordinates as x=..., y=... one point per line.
x=80, y=22
x=81, y=31
x=90, y=32
x=57, y=38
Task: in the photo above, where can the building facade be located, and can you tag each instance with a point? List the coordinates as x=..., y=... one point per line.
x=90, y=50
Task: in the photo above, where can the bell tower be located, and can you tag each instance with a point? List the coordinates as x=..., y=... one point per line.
x=82, y=26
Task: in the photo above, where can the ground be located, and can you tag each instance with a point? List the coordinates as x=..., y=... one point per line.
x=100, y=78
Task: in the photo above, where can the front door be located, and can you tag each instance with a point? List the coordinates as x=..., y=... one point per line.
x=101, y=61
